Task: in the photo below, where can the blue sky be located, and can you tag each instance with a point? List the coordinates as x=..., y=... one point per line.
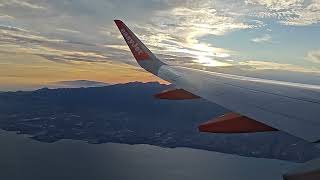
x=268, y=34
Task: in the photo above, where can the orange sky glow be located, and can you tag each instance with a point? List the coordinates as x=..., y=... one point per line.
x=27, y=72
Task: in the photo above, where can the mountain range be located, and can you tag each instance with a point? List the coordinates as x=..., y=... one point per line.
x=128, y=113
x=76, y=84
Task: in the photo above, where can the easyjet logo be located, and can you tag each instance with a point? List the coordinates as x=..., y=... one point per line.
x=134, y=45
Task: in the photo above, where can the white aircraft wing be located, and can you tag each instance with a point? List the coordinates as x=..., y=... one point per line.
x=290, y=107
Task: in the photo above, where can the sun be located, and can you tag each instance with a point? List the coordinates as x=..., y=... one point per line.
x=207, y=61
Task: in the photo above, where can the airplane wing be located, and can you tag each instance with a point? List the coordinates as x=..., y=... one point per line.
x=257, y=104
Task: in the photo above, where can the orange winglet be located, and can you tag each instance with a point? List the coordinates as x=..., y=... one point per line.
x=234, y=123
x=176, y=94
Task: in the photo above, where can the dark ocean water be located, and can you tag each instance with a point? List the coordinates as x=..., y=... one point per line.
x=25, y=159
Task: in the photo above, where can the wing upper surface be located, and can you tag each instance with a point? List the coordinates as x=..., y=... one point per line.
x=291, y=107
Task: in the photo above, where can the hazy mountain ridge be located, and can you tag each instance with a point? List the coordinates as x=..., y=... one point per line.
x=128, y=113
x=76, y=84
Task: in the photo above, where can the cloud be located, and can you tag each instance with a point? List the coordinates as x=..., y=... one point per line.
x=305, y=16
x=5, y=16
x=314, y=56
x=20, y=3
x=287, y=12
x=67, y=30
x=167, y=27
x=16, y=35
x=18, y=40
x=266, y=65
x=177, y=31
x=277, y=5
x=12, y=28
x=266, y=38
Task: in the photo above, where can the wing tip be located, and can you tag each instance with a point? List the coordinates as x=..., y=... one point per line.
x=118, y=21
x=138, y=49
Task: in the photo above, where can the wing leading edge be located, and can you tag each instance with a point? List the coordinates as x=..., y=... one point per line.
x=290, y=107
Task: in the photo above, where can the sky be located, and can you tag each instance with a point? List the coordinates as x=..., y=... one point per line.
x=44, y=41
